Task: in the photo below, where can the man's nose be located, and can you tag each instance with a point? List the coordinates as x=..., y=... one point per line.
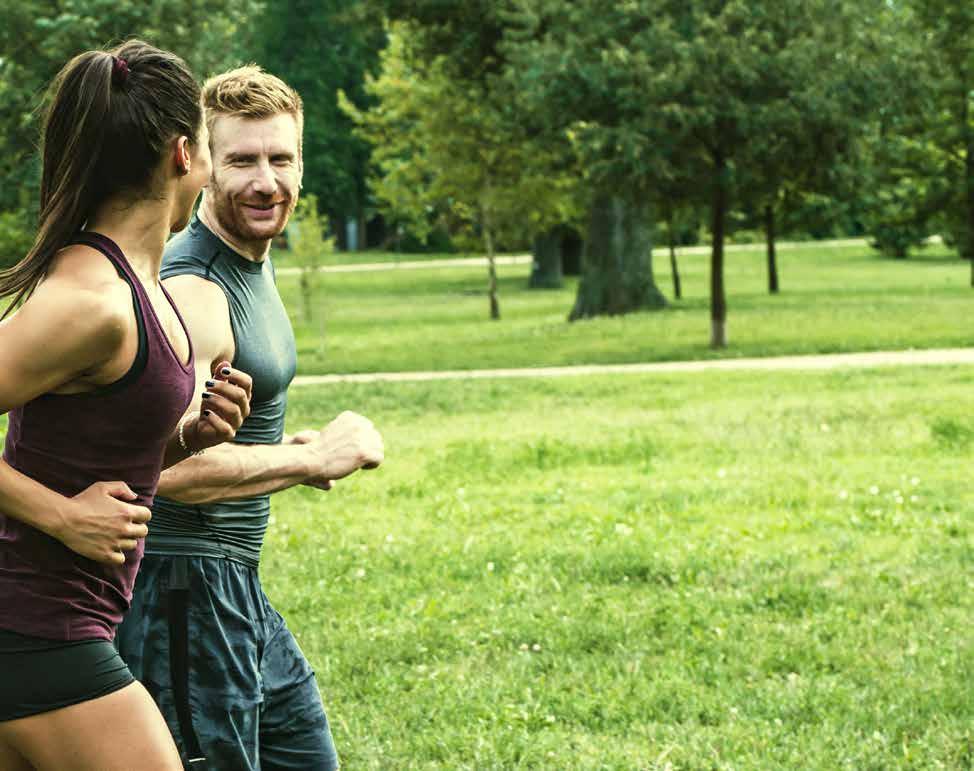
x=264, y=179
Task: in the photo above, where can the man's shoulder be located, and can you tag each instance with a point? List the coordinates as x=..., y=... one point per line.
x=191, y=250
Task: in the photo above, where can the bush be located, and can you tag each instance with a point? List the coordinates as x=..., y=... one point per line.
x=895, y=239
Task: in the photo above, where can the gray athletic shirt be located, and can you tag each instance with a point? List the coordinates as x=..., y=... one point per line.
x=264, y=348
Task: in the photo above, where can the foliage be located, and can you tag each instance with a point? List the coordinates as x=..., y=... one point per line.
x=453, y=148
x=37, y=38
x=660, y=95
x=16, y=236
x=449, y=149
x=320, y=48
x=922, y=176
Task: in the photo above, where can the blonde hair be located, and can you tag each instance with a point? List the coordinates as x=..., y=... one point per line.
x=251, y=93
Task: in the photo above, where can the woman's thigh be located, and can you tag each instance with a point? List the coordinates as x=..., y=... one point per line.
x=117, y=732
x=11, y=760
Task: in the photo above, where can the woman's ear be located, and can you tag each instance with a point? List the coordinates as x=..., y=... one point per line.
x=183, y=156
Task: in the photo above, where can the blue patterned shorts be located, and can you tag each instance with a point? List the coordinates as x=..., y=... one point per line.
x=224, y=669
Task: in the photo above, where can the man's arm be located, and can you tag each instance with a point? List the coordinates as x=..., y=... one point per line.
x=232, y=471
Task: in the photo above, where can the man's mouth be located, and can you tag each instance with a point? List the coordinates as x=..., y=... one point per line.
x=261, y=210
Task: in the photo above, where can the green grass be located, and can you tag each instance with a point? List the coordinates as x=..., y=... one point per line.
x=833, y=299
x=282, y=257
x=713, y=571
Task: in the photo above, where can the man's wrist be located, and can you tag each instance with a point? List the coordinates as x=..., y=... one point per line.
x=306, y=463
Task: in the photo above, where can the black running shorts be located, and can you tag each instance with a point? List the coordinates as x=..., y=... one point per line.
x=41, y=675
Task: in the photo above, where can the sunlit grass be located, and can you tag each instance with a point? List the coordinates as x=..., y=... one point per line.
x=833, y=299
x=748, y=570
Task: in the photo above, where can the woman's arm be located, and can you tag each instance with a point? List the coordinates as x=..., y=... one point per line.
x=97, y=523
x=73, y=325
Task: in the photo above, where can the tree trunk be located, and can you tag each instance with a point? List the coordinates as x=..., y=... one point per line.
x=306, y=294
x=571, y=252
x=363, y=236
x=617, y=260
x=674, y=268
x=772, y=257
x=718, y=300
x=495, y=308
x=967, y=249
x=546, y=268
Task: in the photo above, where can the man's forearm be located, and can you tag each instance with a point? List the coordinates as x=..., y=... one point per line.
x=234, y=471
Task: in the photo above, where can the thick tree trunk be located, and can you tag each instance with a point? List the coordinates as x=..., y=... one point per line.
x=718, y=300
x=617, y=261
x=772, y=257
x=546, y=268
x=674, y=268
x=571, y=252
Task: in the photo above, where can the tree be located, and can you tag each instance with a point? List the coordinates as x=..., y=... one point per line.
x=447, y=147
x=574, y=71
x=946, y=28
x=809, y=134
x=547, y=182
x=658, y=88
x=923, y=144
x=308, y=241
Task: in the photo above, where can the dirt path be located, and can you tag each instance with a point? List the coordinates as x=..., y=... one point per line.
x=817, y=362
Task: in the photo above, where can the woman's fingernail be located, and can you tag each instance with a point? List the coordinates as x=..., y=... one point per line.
x=206, y=395
x=210, y=384
x=225, y=371
x=206, y=413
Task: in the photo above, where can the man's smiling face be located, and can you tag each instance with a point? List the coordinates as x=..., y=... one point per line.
x=256, y=175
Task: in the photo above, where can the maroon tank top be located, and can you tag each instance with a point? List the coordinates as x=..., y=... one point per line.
x=68, y=442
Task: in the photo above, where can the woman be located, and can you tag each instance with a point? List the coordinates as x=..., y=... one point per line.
x=96, y=370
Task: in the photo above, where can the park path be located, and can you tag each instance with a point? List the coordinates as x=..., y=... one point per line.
x=525, y=259
x=814, y=362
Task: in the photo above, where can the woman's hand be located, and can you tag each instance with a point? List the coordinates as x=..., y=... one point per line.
x=100, y=525
x=225, y=406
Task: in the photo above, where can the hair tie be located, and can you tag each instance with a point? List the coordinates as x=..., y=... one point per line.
x=120, y=71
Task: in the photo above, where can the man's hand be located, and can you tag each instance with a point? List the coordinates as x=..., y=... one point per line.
x=100, y=525
x=306, y=437
x=347, y=444
x=225, y=406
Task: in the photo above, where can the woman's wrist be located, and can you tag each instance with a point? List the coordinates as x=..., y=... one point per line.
x=191, y=445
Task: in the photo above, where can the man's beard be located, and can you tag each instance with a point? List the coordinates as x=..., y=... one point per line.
x=234, y=222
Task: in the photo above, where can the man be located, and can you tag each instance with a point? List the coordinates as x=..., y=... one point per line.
x=227, y=674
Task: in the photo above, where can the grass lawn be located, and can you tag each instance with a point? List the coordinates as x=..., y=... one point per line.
x=833, y=299
x=712, y=571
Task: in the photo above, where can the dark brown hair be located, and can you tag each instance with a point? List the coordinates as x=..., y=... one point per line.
x=109, y=120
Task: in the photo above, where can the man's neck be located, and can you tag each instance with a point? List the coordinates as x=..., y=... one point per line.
x=255, y=251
